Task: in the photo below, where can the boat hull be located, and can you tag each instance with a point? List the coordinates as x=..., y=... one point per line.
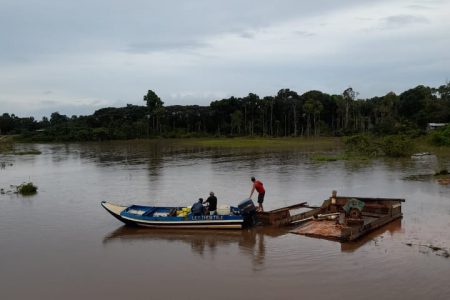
x=123, y=214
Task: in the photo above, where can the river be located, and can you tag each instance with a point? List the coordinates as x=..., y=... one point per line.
x=60, y=244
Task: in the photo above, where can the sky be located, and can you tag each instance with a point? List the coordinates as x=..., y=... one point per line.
x=78, y=56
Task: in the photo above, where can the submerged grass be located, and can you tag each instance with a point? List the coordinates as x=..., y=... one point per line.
x=24, y=189
x=326, y=158
x=28, y=152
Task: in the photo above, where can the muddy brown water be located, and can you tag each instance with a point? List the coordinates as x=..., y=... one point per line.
x=60, y=244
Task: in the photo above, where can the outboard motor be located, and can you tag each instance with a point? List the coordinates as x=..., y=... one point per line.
x=248, y=212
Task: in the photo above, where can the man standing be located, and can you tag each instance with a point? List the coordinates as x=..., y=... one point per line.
x=212, y=203
x=258, y=186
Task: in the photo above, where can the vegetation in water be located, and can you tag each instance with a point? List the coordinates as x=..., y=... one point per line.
x=443, y=177
x=440, y=251
x=27, y=189
x=326, y=158
x=27, y=152
x=443, y=172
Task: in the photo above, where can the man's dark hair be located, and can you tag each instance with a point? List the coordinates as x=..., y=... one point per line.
x=200, y=200
x=253, y=178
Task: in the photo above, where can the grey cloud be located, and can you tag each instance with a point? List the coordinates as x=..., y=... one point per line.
x=247, y=35
x=419, y=7
x=169, y=45
x=47, y=27
x=48, y=102
x=304, y=33
x=397, y=21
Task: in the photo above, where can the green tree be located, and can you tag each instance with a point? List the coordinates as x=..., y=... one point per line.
x=236, y=121
x=349, y=96
x=155, y=109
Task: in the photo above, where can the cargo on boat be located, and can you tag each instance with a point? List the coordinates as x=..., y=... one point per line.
x=346, y=218
x=181, y=217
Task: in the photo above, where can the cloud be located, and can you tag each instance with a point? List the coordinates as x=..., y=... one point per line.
x=247, y=35
x=81, y=55
x=168, y=45
x=398, y=21
x=304, y=33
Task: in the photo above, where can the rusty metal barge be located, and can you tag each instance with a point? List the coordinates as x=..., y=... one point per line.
x=340, y=218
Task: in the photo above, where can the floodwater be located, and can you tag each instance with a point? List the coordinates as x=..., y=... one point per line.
x=60, y=244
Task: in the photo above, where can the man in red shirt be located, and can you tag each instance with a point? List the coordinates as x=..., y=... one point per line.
x=258, y=186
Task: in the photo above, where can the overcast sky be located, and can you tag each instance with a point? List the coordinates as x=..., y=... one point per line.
x=77, y=56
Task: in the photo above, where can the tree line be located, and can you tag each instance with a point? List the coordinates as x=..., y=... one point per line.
x=287, y=113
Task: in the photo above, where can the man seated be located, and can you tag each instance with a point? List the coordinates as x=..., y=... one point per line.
x=212, y=204
x=197, y=208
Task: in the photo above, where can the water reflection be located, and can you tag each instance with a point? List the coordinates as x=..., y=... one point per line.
x=251, y=242
x=391, y=228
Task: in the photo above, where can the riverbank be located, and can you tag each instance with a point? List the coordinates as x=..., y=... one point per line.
x=326, y=148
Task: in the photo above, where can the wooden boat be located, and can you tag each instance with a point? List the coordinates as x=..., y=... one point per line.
x=348, y=218
x=179, y=217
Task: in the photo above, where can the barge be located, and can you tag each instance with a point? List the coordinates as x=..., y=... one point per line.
x=340, y=218
x=346, y=218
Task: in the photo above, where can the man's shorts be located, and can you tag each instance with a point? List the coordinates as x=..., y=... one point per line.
x=261, y=197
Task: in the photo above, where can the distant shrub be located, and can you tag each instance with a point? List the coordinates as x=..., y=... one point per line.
x=391, y=146
x=397, y=146
x=27, y=189
x=441, y=137
x=362, y=145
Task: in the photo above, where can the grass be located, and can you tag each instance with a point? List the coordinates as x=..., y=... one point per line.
x=423, y=144
x=7, y=146
x=261, y=142
x=6, y=143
